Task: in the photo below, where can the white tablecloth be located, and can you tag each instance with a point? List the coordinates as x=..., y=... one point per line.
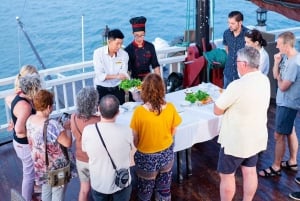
x=199, y=124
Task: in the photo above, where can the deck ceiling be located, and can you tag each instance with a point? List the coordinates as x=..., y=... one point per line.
x=288, y=8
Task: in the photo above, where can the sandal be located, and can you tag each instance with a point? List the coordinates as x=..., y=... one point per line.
x=286, y=165
x=269, y=172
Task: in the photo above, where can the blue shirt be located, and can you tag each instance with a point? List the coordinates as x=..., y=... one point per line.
x=234, y=43
x=290, y=70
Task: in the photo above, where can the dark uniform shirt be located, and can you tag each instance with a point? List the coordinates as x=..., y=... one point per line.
x=140, y=59
x=234, y=43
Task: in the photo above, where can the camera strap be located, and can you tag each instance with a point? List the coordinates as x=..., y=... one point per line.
x=64, y=149
x=105, y=147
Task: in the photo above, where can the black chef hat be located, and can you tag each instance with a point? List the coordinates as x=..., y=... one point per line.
x=138, y=23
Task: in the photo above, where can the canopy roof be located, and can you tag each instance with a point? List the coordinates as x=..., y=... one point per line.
x=288, y=8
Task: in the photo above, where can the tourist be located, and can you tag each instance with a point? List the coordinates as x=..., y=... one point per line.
x=56, y=135
x=118, y=141
x=21, y=109
x=244, y=105
x=254, y=39
x=154, y=125
x=86, y=103
x=25, y=70
x=233, y=40
x=287, y=73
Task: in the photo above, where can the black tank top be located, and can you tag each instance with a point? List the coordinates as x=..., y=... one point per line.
x=23, y=140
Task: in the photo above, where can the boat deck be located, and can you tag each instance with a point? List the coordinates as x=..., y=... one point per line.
x=202, y=185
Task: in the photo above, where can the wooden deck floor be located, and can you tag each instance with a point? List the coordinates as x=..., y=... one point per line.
x=202, y=185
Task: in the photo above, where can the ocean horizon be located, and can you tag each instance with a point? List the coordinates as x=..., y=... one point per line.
x=55, y=26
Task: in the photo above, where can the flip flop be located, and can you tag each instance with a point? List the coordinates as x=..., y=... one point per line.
x=269, y=172
x=286, y=165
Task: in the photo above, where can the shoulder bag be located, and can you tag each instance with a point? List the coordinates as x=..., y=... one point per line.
x=59, y=176
x=122, y=175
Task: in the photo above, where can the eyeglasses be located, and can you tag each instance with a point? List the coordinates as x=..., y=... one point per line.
x=139, y=36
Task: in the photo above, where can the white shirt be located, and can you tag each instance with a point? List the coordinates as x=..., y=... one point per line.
x=104, y=65
x=119, y=141
x=264, y=62
x=244, y=130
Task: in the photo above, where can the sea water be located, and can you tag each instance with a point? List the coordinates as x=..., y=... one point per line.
x=55, y=27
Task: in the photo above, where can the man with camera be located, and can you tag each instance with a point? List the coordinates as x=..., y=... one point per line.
x=108, y=146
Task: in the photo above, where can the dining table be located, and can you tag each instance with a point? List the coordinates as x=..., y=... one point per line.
x=199, y=123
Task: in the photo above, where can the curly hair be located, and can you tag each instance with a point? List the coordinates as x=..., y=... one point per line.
x=87, y=101
x=30, y=84
x=43, y=99
x=25, y=70
x=153, y=92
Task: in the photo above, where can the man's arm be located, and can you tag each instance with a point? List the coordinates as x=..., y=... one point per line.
x=157, y=70
x=217, y=110
x=283, y=85
x=98, y=66
x=277, y=59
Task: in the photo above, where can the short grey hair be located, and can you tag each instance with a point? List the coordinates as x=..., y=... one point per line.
x=87, y=102
x=109, y=106
x=249, y=55
x=30, y=84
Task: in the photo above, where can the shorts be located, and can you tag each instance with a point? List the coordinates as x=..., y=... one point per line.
x=83, y=171
x=228, y=164
x=284, y=120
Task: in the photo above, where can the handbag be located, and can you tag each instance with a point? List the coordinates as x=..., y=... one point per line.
x=122, y=175
x=60, y=176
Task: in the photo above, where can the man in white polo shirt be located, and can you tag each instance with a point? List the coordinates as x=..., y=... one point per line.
x=111, y=66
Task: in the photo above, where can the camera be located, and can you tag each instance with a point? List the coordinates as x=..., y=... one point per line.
x=63, y=118
x=122, y=177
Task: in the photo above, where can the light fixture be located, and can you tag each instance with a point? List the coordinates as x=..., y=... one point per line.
x=261, y=16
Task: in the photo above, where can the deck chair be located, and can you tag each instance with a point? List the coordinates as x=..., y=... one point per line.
x=16, y=196
x=194, y=64
x=216, y=59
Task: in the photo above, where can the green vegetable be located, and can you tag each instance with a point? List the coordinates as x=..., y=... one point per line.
x=197, y=96
x=128, y=84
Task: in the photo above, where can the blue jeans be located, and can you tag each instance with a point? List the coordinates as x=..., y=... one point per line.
x=122, y=195
x=24, y=153
x=53, y=193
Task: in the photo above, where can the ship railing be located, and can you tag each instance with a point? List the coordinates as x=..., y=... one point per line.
x=65, y=81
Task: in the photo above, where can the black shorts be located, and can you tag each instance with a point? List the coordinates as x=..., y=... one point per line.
x=228, y=164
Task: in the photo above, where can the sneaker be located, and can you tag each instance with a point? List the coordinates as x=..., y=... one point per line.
x=295, y=195
x=297, y=180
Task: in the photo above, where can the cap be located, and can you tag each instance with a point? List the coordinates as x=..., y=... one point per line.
x=138, y=23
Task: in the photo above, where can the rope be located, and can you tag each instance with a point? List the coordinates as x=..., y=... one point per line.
x=190, y=14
